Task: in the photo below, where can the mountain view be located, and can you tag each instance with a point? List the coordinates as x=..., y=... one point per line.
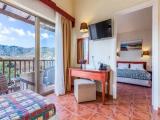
x=17, y=47
x=21, y=52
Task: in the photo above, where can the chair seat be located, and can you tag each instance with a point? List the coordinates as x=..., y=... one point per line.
x=84, y=90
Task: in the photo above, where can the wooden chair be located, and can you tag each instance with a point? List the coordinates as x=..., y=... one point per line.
x=3, y=85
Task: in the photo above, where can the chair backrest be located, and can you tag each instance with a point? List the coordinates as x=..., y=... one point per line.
x=49, y=76
x=3, y=84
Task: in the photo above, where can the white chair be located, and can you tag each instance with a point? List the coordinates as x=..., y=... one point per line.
x=84, y=90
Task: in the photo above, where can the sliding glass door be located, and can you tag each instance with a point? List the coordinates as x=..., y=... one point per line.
x=46, y=57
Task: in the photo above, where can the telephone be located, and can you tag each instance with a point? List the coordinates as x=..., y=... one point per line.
x=103, y=66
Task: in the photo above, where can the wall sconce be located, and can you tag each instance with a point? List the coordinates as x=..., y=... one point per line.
x=84, y=27
x=145, y=53
x=118, y=54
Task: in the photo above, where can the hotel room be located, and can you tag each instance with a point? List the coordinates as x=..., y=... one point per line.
x=134, y=49
x=79, y=60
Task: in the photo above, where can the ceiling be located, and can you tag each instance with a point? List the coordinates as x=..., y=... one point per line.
x=135, y=21
x=16, y=13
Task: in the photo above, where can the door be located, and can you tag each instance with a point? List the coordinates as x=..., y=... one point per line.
x=45, y=56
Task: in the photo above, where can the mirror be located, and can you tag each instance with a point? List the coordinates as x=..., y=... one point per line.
x=82, y=50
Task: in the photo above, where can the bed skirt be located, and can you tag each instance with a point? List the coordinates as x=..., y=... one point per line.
x=146, y=83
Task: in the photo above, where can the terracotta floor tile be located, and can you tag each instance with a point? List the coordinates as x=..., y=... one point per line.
x=140, y=115
x=142, y=107
x=86, y=114
x=126, y=109
x=121, y=116
x=91, y=106
x=63, y=114
x=98, y=116
x=75, y=117
x=130, y=105
x=106, y=111
x=80, y=111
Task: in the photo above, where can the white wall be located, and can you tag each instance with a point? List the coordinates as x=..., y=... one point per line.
x=66, y=5
x=96, y=48
x=146, y=37
x=91, y=11
x=102, y=53
x=135, y=21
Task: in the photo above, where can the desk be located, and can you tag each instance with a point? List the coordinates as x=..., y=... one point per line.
x=99, y=75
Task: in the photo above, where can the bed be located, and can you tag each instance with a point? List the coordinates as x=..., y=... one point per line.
x=128, y=75
x=26, y=105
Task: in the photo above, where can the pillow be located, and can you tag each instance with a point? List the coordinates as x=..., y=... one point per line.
x=136, y=67
x=123, y=66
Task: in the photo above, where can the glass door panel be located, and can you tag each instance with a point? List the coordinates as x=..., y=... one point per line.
x=47, y=58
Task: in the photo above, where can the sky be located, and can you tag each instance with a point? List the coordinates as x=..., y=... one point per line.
x=18, y=33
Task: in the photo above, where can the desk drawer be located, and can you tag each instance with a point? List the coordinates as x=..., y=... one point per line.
x=89, y=75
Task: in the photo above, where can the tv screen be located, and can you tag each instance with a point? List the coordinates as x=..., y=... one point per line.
x=101, y=30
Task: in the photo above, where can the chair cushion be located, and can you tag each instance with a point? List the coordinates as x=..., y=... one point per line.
x=84, y=90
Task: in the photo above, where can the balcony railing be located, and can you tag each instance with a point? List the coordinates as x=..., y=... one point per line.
x=12, y=68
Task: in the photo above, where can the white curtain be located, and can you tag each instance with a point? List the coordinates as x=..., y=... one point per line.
x=59, y=67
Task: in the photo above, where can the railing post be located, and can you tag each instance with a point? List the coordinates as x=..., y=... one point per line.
x=29, y=66
x=9, y=70
x=20, y=66
x=24, y=66
x=33, y=65
x=50, y=63
x=44, y=64
x=3, y=69
x=15, y=70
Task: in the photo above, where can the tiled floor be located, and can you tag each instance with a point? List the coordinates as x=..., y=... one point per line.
x=133, y=103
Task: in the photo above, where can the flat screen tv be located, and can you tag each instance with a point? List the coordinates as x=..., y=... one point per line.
x=101, y=30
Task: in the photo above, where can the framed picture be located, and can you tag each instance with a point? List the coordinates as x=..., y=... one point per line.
x=131, y=45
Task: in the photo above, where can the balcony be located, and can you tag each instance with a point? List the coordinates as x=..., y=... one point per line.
x=21, y=70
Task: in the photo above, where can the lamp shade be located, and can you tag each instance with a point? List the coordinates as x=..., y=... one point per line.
x=84, y=27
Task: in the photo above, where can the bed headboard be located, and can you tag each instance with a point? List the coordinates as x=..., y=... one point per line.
x=131, y=62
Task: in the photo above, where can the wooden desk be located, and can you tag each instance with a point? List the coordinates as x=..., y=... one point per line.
x=102, y=76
